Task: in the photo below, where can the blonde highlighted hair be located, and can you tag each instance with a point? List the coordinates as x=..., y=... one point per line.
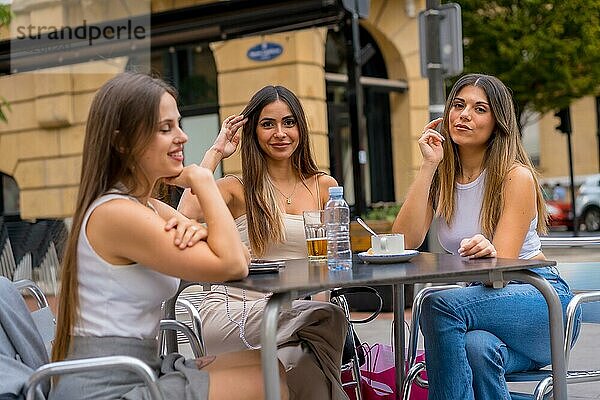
x=504, y=151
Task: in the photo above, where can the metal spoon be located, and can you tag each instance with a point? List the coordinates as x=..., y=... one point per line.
x=364, y=225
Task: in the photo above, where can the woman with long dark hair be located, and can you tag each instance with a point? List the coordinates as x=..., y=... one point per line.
x=280, y=180
x=127, y=252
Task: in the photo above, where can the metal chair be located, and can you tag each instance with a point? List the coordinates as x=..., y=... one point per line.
x=584, y=298
x=184, y=309
x=7, y=258
x=187, y=323
x=585, y=292
x=24, y=268
x=48, y=271
x=353, y=356
x=45, y=323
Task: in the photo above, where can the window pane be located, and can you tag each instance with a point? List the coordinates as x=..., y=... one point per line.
x=10, y=195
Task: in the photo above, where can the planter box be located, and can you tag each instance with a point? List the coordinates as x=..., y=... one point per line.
x=361, y=239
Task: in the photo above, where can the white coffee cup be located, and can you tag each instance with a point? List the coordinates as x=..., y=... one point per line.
x=392, y=243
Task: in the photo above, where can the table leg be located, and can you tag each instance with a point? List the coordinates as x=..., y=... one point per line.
x=399, y=339
x=557, y=333
x=268, y=351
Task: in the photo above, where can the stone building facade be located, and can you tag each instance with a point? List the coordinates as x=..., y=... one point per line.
x=41, y=145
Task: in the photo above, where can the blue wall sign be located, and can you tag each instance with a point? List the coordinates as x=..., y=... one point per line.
x=265, y=51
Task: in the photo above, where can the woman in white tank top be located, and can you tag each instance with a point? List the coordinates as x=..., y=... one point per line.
x=477, y=182
x=280, y=181
x=126, y=253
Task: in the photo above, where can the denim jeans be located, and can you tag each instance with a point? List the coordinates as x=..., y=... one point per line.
x=475, y=335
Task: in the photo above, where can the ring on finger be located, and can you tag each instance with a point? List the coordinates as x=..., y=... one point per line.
x=194, y=228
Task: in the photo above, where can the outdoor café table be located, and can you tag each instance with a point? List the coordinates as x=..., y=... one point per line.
x=301, y=277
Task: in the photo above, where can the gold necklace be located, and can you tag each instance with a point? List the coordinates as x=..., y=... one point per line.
x=288, y=199
x=471, y=177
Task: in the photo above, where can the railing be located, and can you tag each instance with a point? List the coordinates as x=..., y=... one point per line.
x=575, y=241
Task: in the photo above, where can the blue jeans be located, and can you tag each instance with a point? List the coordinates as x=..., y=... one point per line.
x=475, y=335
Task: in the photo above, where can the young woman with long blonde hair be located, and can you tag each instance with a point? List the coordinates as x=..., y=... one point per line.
x=477, y=184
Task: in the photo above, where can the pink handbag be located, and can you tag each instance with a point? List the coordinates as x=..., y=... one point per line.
x=378, y=375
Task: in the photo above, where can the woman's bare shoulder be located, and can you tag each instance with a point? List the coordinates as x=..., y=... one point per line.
x=231, y=182
x=326, y=181
x=232, y=190
x=519, y=184
x=519, y=174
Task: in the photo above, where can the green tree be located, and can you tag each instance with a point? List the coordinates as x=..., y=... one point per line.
x=5, y=17
x=546, y=51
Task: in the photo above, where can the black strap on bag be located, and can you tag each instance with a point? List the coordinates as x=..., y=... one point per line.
x=359, y=289
x=353, y=342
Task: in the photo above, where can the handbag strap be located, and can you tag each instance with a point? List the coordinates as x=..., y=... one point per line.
x=360, y=289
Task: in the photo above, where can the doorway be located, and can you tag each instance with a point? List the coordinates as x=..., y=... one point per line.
x=377, y=156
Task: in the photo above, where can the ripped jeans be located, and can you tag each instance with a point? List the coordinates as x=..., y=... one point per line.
x=475, y=335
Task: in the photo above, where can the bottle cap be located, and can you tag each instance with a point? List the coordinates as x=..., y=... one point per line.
x=336, y=191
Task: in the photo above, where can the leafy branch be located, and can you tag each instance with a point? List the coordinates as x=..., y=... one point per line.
x=546, y=51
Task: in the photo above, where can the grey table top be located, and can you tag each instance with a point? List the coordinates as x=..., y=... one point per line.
x=305, y=276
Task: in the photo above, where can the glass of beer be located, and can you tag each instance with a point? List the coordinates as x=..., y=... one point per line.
x=316, y=236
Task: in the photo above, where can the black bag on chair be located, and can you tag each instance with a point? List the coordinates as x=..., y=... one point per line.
x=349, y=346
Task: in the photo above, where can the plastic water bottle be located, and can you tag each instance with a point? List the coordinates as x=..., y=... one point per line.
x=337, y=221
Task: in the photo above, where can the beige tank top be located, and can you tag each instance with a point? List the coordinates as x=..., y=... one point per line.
x=293, y=247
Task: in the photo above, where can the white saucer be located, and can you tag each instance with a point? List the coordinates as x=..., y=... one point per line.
x=387, y=258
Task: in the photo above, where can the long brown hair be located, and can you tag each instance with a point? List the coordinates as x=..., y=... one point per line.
x=262, y=207
x=122, y=120
x=504, y=151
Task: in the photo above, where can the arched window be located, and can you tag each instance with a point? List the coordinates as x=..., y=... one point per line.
x=379, y=178
x=192, y=70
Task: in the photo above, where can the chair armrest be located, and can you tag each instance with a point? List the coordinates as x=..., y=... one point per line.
x=338, y=296
x=576, y=301
x=97, y=363
x=416, y=315
x=171, y=324
x=26, y=284
x=196, y=321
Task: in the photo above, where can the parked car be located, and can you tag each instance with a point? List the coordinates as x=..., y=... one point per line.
x=560, y=214
x=587, y=203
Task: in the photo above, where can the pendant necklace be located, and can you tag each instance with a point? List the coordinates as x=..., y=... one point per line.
x=472, y=176
x=288, y=199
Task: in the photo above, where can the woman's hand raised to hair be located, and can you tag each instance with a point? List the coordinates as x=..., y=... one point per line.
x=477, y=247
x=229, y=136
x=431, y=142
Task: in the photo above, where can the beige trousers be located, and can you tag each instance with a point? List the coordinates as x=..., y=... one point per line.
x=310, y=339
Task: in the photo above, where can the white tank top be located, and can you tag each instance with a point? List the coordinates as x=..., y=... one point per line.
x=465, y=222
x=118, y=300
